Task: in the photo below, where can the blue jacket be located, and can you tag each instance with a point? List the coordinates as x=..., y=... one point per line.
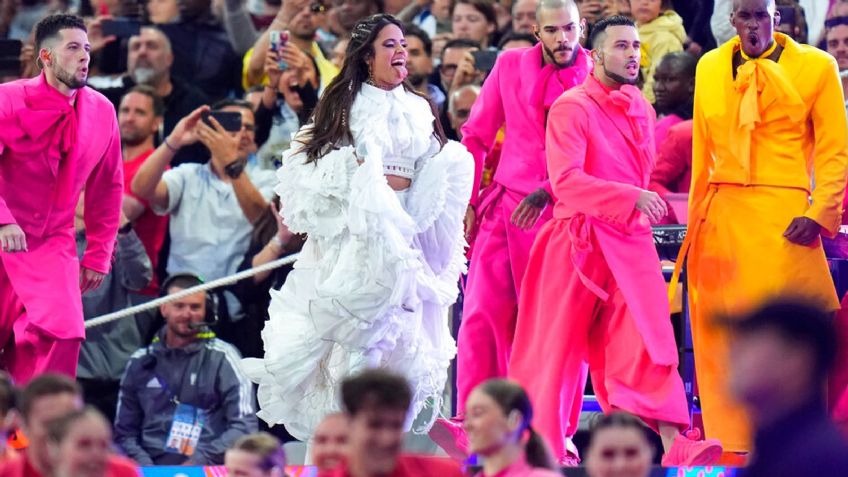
x=204, y=374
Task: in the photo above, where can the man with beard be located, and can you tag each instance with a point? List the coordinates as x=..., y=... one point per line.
x=139, y=118
x=149, y=61
x=768, y=122
x=508, y=214
x=420, y=64
x=836, y=40
x=56, y=138
x=594, y=291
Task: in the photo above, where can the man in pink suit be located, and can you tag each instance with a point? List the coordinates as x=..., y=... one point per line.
x=594, y=290
x=56, y=138
x=509, y=213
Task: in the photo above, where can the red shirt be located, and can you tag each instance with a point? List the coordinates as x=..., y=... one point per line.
x=414, y=466
x=149, y=227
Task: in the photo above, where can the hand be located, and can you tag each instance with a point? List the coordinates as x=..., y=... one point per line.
x=802, y=230
x=29, y=68
x=299, y=63
x=131, y=207
x=123, y=220
x=272, y=67
x=223, y=145
x=12, y=238
x=465, y=72
x=439, y=42
x=692, y=47
x=528, y=211
x=95, y=34
x=185, y=132
x=90, y=280
x=287, y=12
x=652, y=205
x=470, y=221
x=283, y=233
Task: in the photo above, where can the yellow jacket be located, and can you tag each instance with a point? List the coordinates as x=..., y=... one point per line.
x=776, y=124
x=665, y=34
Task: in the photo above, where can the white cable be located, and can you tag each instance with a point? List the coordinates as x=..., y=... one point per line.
x=228, y=280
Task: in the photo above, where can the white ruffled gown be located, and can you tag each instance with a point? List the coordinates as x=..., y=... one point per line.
x=379, y=270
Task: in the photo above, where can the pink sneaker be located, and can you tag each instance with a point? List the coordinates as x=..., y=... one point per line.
x=688, y=450
x=572, y=456
x=451, y=437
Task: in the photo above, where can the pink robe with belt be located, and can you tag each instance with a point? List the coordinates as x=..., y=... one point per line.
x=49, y=152
x=518, y=92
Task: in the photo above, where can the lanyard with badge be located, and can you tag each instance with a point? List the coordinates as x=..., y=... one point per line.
x=187, y=424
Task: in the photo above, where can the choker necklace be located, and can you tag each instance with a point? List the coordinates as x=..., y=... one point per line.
x=379, y=86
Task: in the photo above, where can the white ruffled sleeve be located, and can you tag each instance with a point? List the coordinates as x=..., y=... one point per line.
x=314, y=196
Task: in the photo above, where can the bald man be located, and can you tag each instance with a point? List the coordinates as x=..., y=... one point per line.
x=768, y=122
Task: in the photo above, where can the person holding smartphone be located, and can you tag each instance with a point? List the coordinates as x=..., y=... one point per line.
x=507, y=215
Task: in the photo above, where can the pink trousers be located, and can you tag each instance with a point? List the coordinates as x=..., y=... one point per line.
x=27, y=350
x=562, y=325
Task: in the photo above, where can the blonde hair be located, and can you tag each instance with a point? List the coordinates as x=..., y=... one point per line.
x=264, y=445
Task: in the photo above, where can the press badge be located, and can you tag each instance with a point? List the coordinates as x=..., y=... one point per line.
x=185, y=430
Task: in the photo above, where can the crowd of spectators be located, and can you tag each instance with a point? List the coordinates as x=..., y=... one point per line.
x=203, y=206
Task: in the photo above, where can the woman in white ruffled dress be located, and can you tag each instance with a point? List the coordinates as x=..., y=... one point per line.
x=381, y=195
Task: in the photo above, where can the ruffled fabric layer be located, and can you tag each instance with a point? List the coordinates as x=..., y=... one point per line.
x=377, y=274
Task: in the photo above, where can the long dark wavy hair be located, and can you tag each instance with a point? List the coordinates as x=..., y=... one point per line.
x=331, y=118
x=510, y=396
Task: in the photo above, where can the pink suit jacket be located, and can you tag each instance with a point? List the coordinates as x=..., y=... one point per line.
x=39, y=190
x=509, y=87
x=600, y=159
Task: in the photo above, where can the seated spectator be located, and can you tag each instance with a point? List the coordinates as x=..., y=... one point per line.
x=420, y=64
x=298, y=18
x=212, y=206
x=836, y=39
x=186, y=379
x=377, y=404
x=271, y=240
x=287, y=103
x=432, y=16
x=80, y=445
x=781, y=354
x=8, y=416
x=661, y=32
x=474, y=20
x=674, y=91
x=149, y=61
x=140, y=116
x=619, y=446
x=673, y=170
x=524, y=16
x=498, y=426
x=460, y=106
x=46, y=398
x=107, y=348
x=329, y=444
x=517, y=40
x=456, y=69
x=256, y=455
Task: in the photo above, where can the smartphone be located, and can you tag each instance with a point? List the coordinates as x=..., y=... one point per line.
x=484, y=60
x=279, y=39
x=229, y=120
x=11, y=49
x=121, y=27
